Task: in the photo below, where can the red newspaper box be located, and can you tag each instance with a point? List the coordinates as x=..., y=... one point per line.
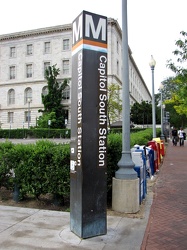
x=154, y=146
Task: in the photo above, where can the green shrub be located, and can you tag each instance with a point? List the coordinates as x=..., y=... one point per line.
x=58, y=172
x=6, y=175
x=43, y=167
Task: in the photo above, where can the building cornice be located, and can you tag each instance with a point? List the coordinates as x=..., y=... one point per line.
x=113, y=22
x=50, y=30
x=36, y=32
x=136, y=67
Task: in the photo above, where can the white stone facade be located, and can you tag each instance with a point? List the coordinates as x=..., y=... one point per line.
x=23, y=58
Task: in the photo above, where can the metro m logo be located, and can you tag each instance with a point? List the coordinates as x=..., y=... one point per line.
x=101, y=27
x=91, y=27
x=77, y=29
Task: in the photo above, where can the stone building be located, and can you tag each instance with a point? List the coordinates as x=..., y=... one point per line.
x=24, y=57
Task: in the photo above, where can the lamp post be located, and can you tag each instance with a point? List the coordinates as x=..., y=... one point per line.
x=126, y=165
x=161, y=106
x=29, y=101
x=152, y=65
x=125, y=185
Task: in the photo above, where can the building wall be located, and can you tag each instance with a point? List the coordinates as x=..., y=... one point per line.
x=38, y=39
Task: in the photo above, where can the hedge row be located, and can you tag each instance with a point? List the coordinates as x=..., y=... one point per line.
x=43, y=167
x=34, y=133
x=46, y=133
x=36, y=169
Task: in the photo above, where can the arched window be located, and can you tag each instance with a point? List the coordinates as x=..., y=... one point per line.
x=44, y=92
x=28, y=95
x=11, y=96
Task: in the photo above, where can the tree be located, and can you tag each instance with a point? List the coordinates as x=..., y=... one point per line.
x=141, y=113
x=179, y=94
x=53, y=108
x=170, y=88
x=181, y=54
x=114, y=103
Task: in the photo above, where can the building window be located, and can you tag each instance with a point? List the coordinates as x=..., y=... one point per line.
x=10, y=117
x=12, y=72
x=117, y=47
x=29, y=49
x=117, y=65
x=28, y=95
x=65, y=67
x=11, y=96
x=66, y=44
x=66, y=93
x=12, y=52
x=27, y=116
x=29, y=70
x=46, y=66
x=47, y=47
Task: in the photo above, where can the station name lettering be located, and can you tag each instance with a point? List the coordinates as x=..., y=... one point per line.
x=102, y=109
x=79, y=110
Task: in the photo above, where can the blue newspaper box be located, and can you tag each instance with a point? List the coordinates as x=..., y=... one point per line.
x=151, y=160
x=142, y=149
x=137, y=159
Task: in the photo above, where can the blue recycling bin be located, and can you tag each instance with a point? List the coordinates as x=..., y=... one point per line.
x=137, y=159
x=144, y=159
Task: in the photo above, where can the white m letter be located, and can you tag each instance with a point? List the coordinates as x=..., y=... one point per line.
x=77, y=29
x=89, y=24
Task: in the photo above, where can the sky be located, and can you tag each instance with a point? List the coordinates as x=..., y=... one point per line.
x=153, y=26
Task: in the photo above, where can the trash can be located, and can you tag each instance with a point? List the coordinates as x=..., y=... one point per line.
x=137, y=159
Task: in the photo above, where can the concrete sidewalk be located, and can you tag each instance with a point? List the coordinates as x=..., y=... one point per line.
x=25, y=228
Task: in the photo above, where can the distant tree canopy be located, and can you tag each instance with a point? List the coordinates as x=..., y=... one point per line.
x=141, y=113
x=53, y=108
x=175, y=88
x=169, y=88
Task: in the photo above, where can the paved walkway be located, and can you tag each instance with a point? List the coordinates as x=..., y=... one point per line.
x=35, y=229
x=167, y=224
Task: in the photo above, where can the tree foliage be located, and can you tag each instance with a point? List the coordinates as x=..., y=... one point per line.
x=178, y=93
x=53, y=108
x=141, y=113
x=181, y=56
x=114, y=104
